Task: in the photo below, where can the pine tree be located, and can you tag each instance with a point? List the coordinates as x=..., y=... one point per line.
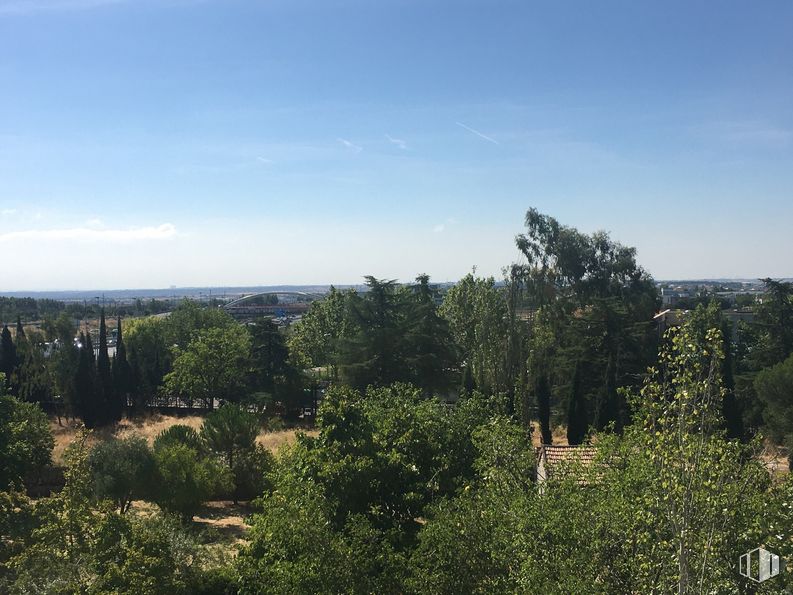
x=428, y=351
x=374, y=351
x=104, y=386
x=122, y=375
x=576, y=410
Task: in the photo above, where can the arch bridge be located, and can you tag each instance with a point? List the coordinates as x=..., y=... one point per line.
x=271, y=303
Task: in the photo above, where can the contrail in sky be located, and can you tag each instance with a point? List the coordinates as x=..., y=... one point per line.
x=477, y=133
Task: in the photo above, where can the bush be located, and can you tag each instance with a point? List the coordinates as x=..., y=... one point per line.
x=123, y=470
x=250, y=473
x=186, y=479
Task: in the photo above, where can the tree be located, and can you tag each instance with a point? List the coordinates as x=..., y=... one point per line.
x=576, y=410
x=121, y=374
x=63, y=363
x=8, y=355
x=273, y=372
x=774, y=387
x=31, y=377
x=25, y=440
x=374, y=352
x=149, y=358
x=74, y=547
x=231, y=433
x=476, y=312
x=599, y=304
x=187, y=480
x=87, y=406
x=123, y=470
x=775, y=320
x=315, y=340
x=213, y=366
x=105, y=398
x=430, y=357
x=180, y=434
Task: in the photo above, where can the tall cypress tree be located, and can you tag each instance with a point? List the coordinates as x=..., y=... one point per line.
x=122, y=375
x=543, y=392
x=730, y=406
x=20, y=329
x=85, y=384
x=104, y=376
x=576, y=410
x=8, y=354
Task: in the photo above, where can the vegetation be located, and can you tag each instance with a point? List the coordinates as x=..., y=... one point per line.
x=421, y=475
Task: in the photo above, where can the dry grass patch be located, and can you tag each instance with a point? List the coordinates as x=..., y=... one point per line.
x=149, y=427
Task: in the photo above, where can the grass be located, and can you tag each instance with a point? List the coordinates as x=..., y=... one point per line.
x=149, y=427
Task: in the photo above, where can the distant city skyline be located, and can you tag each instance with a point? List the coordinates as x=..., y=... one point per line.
x=199, y=143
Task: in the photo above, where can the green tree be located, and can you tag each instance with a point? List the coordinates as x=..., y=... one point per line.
x=231, y=433
x=186, y=479
x=315, y=340
x=122, y=375
x=149, y=358
x=774, y=387
x=123, y=470
x=31, y=377
x=87, y=405
x=272, y=371
x=25, y=440
x=8, y=355
x=180, y=434
x=106, y=400
x=430, y=357
x=213, y=366
x=477, y=315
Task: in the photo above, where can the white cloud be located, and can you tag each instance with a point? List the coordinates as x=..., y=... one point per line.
x=264, y=160
x=750, y=132
x=8, y=212
x=477, y=133
x=397, y=141
x=440, y=228
x=350, y=145
x=161, y=232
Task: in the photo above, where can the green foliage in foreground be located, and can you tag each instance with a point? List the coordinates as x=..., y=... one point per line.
x=668, y=506
x=74, y=547
x=25, y=439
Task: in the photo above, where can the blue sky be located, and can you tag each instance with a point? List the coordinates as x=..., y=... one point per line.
x=151, y=143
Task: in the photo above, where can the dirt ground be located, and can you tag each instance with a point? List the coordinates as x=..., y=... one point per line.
x=149, y=427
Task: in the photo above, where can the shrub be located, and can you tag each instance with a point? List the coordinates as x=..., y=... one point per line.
x=186, y=479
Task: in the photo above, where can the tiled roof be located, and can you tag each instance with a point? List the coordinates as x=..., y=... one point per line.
x=551, y=456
